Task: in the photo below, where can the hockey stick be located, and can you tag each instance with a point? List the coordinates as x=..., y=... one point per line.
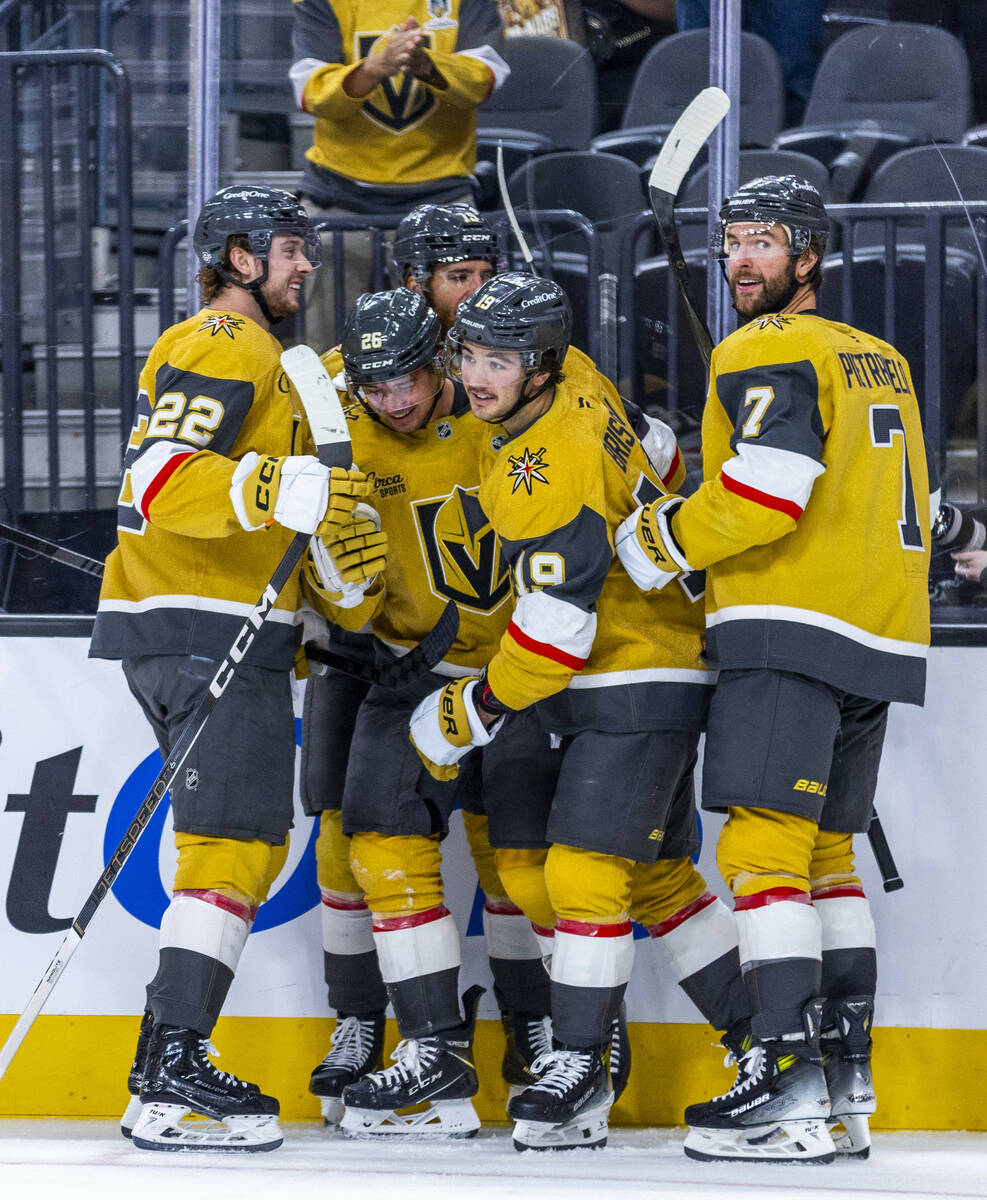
x=684, y=141
x=328, y=424
x=687, y=137
x=57, y=553
x=404, y=670
x=505, y=199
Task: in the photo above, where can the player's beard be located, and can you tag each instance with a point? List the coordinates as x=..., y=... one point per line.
x=774, y=295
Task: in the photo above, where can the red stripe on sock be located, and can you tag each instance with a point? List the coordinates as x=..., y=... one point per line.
x=542, y=930
x=765, y=499
x=409, y=920
x=840, y=890
x=344, y=905
x=501, y=908
x=589, y=929
x=771, y=896
x=679, y=918
x=226, y=903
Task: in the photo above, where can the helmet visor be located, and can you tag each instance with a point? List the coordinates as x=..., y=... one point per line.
x=399, y=394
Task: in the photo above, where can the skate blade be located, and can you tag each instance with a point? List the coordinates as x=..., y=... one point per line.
x=782, y=1142
x=851, y=1135
x=131, y=1116
x=163, y=1127
x=439, y=1119
x=587, y=1131
x=332, y=1110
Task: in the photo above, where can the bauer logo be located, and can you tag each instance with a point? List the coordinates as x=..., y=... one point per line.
x=139, y=887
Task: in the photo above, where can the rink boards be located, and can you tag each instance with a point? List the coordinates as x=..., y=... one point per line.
x=76, y=758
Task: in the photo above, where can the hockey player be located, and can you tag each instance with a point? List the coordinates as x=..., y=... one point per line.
x=445, y=252
x=812, y=525
x=619, y=679
x=412, y=430
x=217, y=480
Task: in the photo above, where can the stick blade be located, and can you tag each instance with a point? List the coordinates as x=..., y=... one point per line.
x=321, y=402
x=687, y=136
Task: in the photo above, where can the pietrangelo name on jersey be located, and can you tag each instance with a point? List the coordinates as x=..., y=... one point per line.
x=874, y=370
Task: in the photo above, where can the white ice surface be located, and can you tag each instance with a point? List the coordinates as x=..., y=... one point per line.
x=83, y=1160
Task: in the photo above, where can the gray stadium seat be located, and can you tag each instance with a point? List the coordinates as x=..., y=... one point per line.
x=669, y=76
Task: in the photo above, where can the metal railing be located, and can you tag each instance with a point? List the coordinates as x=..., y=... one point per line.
x=47, y=195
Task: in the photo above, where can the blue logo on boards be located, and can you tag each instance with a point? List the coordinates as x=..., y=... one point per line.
x=138, y=887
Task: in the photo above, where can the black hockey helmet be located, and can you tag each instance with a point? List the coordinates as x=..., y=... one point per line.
x=387, y=335
x=515, y=311
x=258, y=213
x=783, y=200
x=441, y=233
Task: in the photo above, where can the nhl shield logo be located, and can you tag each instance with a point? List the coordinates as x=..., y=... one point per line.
x=191, y=779
x=443, y=429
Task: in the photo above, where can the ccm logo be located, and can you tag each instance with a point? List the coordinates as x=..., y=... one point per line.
x=265, y=477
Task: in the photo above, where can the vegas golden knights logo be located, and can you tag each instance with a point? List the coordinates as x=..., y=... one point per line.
x=407, y=99
x=462, y=551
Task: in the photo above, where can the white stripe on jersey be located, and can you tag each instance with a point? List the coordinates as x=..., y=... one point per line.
x=148, y=466
x=805, y=616
x=781, y=473
x=492, y=61
x=555, y=622
x=229, y=608
x=300, y=73
x=643, y=675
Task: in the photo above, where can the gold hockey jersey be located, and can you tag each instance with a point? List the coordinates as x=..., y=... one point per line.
x=441, y=546
x=405, y=131
x=813, y=520
x=583, y=640
x=185, y=574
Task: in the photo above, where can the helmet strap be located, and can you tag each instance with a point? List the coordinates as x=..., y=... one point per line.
x=254, y=288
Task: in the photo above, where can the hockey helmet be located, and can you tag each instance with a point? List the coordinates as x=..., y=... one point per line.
x=441, y=233
x=258, y=213
x=515, y=311
x=387, y=335
x=784, y=200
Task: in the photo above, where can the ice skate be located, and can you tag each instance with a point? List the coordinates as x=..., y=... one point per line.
x=529, y=1037
x=568, y=1106
x=620, y=1053
x=357, y=1048
x=426, y=1094
x=846, y=1059
x=179, y=1079
x=775, y=1112
x=136, y=1076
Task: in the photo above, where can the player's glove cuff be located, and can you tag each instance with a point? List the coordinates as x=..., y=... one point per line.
x=446, y=726
x=647, y=547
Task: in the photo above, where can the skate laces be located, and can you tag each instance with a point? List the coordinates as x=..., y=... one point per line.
x=347, y=1041
x=409, y=1058
x=205, y=1049
x=750, y=1065
x=538, y=1037
x=561, y=1070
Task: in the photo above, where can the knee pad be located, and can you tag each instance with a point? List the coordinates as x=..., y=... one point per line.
x=398, y=875
x=831, y=864
x=659, y=890
x=522, y=877
x=243, y=870
x=478, y=836
x=760, y=849
x=586, y=886
x=332, y=856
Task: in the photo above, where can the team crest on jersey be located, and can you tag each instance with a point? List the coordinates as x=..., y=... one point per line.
x=439, y=17
x=407, y=100
x=776, y=322
x=222, y=323
x=462, y=551
x=526, y=468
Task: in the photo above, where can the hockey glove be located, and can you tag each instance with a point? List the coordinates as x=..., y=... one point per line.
x=647, y=547
x=297, y=491
x=446, y=726
x=344, y=567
